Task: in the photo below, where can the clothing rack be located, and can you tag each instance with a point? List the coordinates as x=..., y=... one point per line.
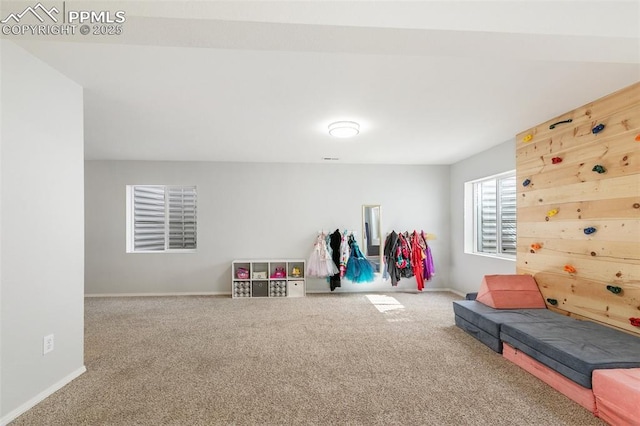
x=348, y=232
x=427, y=236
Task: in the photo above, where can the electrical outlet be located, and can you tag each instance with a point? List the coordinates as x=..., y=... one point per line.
x=47, y=344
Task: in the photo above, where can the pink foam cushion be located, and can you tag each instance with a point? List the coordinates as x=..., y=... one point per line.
x=571, y=389
x=617, y=393
x=510, y=292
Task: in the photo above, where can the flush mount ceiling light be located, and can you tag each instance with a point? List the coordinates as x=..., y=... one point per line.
x=344, y=129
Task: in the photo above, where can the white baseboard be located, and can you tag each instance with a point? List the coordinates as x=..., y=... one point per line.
x=226, y=293
x=11, y=416
x=390, y=290
x=209, y=293
x=459, y=293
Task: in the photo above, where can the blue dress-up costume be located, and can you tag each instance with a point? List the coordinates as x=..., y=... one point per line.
x=359, y=269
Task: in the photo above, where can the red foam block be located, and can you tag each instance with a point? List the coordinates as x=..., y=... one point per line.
x=569, y=388
x=510, y=292
x=617, y=393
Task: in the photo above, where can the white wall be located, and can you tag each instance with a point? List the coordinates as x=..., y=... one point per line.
x=42, y=265
x=249, y=210
x=467, y=270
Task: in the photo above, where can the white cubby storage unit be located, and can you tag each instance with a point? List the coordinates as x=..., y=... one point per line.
x=267, y=278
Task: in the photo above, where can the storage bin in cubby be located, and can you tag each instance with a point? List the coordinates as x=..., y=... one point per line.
x=241, y=289
x=295, y=288
x=260, y=289
x=278, y=288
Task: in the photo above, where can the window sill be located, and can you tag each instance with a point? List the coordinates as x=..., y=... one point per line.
x=493, y=256
x=161, y=251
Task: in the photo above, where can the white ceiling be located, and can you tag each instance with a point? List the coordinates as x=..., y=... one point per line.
x=429, y=82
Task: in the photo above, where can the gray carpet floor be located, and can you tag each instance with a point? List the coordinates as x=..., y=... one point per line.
x=352, y=359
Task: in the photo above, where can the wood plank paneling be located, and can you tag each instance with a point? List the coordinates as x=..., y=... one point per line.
x=558, y=227
x=627, y=98
x=609, y=202
x=619, y=208
x=614, y=155
x=590, y=298
x=575, y=135
x=617, y=251
x=603, y=189
x=591, y=268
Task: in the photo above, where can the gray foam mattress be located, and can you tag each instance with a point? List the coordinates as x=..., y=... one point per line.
x=489, y=319
x=572, y=347
x=492, y=342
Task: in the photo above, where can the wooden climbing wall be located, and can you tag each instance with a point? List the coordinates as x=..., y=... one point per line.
x=579, y=224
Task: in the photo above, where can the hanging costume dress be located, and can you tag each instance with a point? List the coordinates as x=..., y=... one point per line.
x=320, y=263
x=403, y=255
x=345, y=251
x=429, y=268
x=359, y=269
x=335, y=243
x=390, y=246
x=418, y=245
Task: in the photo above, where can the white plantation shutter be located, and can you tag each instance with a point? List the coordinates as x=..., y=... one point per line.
x=496, y=215
x=182, y=217
x=148, y=218
x=507, y=208
x=487, y=217
x=163, y=218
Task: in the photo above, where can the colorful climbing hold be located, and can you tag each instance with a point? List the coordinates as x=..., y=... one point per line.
x=527, y=138
x=536, y=246
x=570, y=269
x=590, y=230
x=556, y=160
x=638, y=138
x=613, y=289
x=599, y=169
x=552, y=212
x=526, y=182
x=553, y=126
x=635, y=322
x=553, y=302
x=597, y=129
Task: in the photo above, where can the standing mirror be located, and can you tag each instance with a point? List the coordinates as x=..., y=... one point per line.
x=372, y=234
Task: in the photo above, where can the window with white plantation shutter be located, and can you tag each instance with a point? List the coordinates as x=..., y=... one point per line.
x=495, y=215
x=161, y=218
